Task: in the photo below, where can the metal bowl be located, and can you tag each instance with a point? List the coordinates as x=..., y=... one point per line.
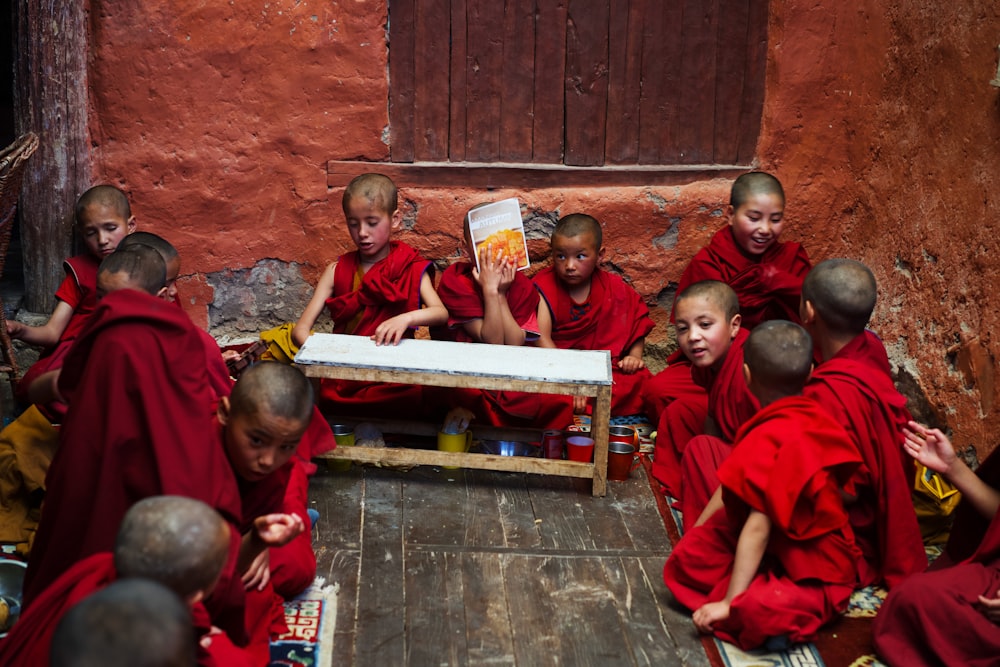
x=510, y=448
x=11, y=583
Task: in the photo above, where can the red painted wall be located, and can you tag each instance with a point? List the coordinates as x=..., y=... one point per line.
x=219, y=119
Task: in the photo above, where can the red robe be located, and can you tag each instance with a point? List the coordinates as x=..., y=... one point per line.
x=615, y=320
x=863, y=399
x=139, y=415
x=728, y=402
x=462, y=296
x=935, y=618
x=768, y=287
x=391, y=287
x=79, y=291
x=29, y=641
x=789, y=463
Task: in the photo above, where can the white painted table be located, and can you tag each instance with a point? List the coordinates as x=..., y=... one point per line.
x=480, y=366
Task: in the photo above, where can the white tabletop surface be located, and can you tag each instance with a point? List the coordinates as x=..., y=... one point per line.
x=467, y=359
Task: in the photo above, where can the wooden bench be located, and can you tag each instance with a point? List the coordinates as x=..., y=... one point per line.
x=480, y=366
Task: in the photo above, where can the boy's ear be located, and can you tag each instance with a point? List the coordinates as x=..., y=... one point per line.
x=162, y=293
x=130, y=224
x=222, y=412
x=397, y=219
x=734, y=325
x=807, y=312
x=730, y=213
x=746, y=374
x=600, y=255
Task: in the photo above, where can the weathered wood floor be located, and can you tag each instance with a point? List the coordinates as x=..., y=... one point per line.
x=463, y=567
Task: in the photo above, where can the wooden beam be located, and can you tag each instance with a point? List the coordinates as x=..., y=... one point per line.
x=492, y=176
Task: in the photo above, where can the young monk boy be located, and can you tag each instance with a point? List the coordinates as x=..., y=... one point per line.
x=494, y=304
x=747, y=255
x=710, y=335
x=838, y=297
x=131, y=623
x=29, y=443
x=780, y=560
x=178, y=542
x=140, y=412
x=586, y=308
x=383, y=290
x=950, y=615
x=103, y=218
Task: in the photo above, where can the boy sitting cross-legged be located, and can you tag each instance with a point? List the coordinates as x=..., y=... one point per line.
x=586, y=308
x=779, y=560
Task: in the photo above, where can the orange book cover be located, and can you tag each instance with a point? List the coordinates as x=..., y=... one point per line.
x=499, y=225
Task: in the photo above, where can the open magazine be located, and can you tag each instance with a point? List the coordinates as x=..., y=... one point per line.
x=499, y=226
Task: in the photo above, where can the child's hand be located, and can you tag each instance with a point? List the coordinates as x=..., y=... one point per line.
x=507, y=274
x=14, y=328
x=929, y=446
x=276, y=530
x=630, y=365
x=709, y=614
x=579, y=405
x=258, y=573
x=990, y=607
x=391, y=331
x=489, y=275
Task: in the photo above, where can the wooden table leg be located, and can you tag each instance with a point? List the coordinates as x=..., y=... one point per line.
x=599, y=432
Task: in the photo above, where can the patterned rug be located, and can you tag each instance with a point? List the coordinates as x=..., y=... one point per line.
x=844, y=643
x=311, y=618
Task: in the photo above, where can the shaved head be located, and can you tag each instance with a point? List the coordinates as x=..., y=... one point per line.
x=779, y=355
x=282, y=390
x=843, y=293
x=754, y=183
x=377, y=189
x=179, y=542
x=137, y=266
x=104, y=195
x=578, y=224
x=158, y=243
x=131, y=623
x=717, y=293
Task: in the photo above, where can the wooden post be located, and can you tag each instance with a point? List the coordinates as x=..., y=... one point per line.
x=50, y=99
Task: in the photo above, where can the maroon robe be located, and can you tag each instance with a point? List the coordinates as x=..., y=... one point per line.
x=768, y=287
x=615, y=320
x=462, y=296
x=139, y=416
x=862, y=398
x=728, y=402
x=935, y=618
x=389, y=288
x=78, y=290
x=789, y=463
x=29, y=641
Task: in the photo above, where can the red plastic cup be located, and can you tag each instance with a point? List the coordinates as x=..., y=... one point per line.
x=552, y=444
x=580, y=448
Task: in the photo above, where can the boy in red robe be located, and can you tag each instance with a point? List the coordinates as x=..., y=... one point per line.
x=586, y=308
x=780, y=560
x=179, y=542
x=129, y=618
x=103, y=218
x=851, y=383
x=495, y=304
x=139, y=414
x=708, y=330
x=746, y=255
x=383, y=290
x=950, y=615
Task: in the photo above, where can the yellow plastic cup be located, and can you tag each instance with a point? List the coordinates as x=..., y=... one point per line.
x=454, y=442
x=344, y=435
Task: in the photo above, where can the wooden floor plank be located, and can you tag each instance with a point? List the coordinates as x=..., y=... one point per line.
x=381, y=603
x=489, y=635
x=435, y=623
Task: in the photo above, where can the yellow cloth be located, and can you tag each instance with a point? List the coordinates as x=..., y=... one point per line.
x=279, y=344
x=27, y=446
x=935, y=500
